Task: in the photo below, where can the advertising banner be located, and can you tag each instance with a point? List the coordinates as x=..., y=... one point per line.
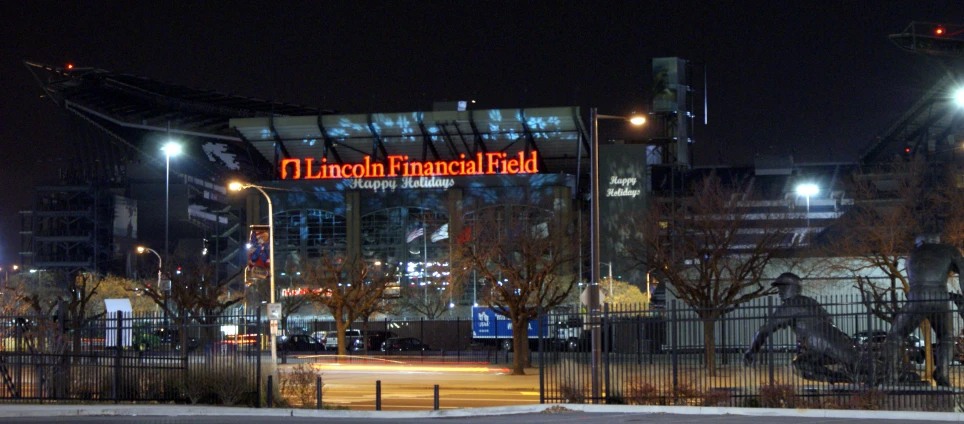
x=623, y=184
x=259, y=253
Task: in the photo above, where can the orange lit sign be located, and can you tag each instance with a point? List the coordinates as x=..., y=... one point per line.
x=304, y=291
x=496, y=163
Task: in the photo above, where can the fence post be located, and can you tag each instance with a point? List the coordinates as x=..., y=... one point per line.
x=435, y=404
x=675, y=346
x=118, y=345
x=378, y=395
x=542, y=355
x=183, y=340
x=19, y=348
x=639, y=339
x=318, y=388
x=606, y=347
x=59, y=386
x=421, y=333
x=870, y=323
x=270, y=394
x=723, y=338
x=458, y=339
x=257, y=403
x=770, y=355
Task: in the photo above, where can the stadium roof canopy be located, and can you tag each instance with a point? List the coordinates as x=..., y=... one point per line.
x=556, y=134
x=933, y=126
x=134, y=113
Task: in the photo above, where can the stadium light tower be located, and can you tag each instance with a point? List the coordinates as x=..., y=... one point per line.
x=169, y=149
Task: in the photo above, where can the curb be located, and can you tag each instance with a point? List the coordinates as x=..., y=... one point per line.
x=14, y=411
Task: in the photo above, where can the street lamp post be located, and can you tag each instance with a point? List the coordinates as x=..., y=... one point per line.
x=6, y=274
x=169, y=149
x=808, y=190
x=594, y=220
x=160, y=266
x=273, y=322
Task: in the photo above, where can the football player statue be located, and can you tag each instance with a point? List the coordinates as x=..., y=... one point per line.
x=822, y=342
x=927, y=269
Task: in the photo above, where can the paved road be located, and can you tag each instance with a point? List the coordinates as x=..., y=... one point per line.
x=409, y=387
x=539, y=418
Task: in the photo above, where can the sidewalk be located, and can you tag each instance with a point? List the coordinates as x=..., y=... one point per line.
x=499, y=414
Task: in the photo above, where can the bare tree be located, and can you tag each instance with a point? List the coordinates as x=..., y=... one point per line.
x=879, y=230
x=347, y=287
x=115, y=287
x=527, y=255
x=195, y=292
x=711, y=248
x=429, y=298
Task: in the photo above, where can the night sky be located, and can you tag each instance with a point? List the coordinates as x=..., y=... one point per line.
x=818, y=79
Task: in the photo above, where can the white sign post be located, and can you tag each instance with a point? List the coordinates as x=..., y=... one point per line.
x=585, y=295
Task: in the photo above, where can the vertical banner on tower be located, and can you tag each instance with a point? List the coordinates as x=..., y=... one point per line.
x=623, y=185
x=259, y=253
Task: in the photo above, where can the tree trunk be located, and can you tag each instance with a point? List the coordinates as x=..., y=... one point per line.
x=709, y=345
x=340, y=326
x=520, y=347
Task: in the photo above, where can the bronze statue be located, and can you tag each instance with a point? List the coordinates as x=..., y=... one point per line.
x=822, y=342
x=927, y=269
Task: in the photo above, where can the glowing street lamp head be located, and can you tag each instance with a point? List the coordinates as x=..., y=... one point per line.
x=171, y=149
x=807, y=190
x=235, y=186
x=637, y=120
x=141, y=249
x=959, y=97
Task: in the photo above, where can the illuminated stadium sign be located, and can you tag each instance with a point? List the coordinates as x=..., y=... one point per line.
x=497, y=163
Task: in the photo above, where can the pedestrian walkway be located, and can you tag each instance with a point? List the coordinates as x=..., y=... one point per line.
x=535, y=414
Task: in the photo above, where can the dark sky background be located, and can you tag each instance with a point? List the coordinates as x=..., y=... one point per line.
x=818, y=79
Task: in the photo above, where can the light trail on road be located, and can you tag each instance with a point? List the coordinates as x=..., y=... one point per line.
x=408, y=368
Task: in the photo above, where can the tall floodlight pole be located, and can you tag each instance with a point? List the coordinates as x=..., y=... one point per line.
x=593, y=297
x=273, y=322
x=808, y=190
x=169, y=149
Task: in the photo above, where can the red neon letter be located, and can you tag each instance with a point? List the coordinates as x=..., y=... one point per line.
x=284, y=168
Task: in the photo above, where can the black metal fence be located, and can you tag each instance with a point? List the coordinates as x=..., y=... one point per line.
x=665, y=358
x=438, y=341
x=121, y=357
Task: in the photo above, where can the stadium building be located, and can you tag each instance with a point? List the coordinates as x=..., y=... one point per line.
x=390, y=187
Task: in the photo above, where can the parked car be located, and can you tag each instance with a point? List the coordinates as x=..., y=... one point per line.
x=403, y=344
x=350, y=336
x=232, y=343
x=874, y=341
x=372, y=340
x=322, y=336
x=301, y=343
x=173, y=339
